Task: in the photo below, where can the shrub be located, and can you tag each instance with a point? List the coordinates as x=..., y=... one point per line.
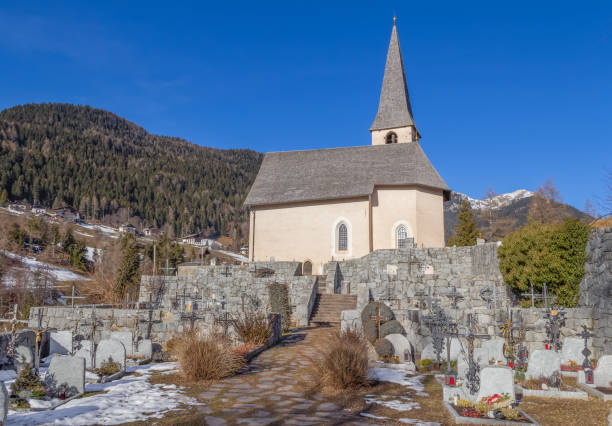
x=26, y=380
x=108, y=368
x=383, y=348
x=279, y=303
x=253, y=329
x=345, y=361
x=206, y=358
x=552, y=253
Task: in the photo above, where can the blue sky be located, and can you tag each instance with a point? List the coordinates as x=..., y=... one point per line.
x=505, y=94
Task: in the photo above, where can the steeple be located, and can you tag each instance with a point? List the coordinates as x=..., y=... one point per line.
x=394, y=122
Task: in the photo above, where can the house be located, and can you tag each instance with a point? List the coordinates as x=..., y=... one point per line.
x=39, y=210
x=68, y=213
x=244, y=251
x=127, y=228
x=149, y=231
x=320, y=205
x=18, y=207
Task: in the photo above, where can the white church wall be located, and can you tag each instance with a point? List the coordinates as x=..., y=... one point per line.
x=430, y=218
x=305, y=231
x=391, y=207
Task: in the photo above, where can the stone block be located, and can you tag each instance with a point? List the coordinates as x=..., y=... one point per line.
x=572, y=350
x=543, y=363
x=61, y=342
x=69, y=371
x=602, y=375
x=3, y=403
x=496, y=380
x=145, y=349
x=23, y=355
x=110, y=350
x=126, y=338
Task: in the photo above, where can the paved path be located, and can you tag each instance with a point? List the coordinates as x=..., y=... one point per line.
x=273, y=390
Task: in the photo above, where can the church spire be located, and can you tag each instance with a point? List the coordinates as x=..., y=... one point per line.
x=394, y=109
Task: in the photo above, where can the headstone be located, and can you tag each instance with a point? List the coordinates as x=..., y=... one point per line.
x=110, y=350
x=462, y=366
x=401, y=346
x=496, y=380
x=351, y=320
x=493, y=350
x=543, y=363
x=60, y=342
x=145, y=349
x=455, y=350
x=602, y=375
x=68, y=371
x=85, y=352
x=572, y=350
x=3, y=403
x=124, y=337
x=23, y=354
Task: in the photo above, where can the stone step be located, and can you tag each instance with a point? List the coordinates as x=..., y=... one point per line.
x=328, y=307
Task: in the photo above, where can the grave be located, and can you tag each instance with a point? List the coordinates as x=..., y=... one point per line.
x=66, y=375
x=3, y=403
x=455, y=350
x=110, y=350
x=401, y=347
x=23, y=355
x=572, y=351
x=351, y=320
x=124, y=337
x=145, y=349
x=85, y=352
x=496, y=380
x=491, y=350
x=543, y=363
x=60, y=342
x=602, y=375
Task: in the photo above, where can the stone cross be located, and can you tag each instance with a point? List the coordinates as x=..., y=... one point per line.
x=586, y=334
x=378, y=318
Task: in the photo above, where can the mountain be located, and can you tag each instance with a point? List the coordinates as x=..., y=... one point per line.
x=113, y=170
x=503, y=213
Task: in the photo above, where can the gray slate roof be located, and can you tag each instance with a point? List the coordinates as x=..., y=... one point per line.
x=325, y=174
x=394, y=109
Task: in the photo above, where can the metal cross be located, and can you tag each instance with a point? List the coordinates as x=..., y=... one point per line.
x=422, y=297
x=472, y=375
x=555, y=319
x=93, y=324
x=439, y=324
x=225, y=319
x=10, y=350
x=226, y=272
x=378, y=318
x=455, y=297
x=586, y=334
x=167, y=269
x=389, y=296
x=539, y=296
x=149, y=321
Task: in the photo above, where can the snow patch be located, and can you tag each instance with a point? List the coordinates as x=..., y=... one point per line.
x=401, y=377
x=236, y=256
x=56, y=272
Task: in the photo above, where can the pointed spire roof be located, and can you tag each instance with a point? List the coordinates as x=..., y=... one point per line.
x=394, y=109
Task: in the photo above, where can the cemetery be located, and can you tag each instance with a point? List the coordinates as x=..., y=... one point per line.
x=439, y=313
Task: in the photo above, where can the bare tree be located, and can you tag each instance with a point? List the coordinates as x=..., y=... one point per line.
x=545, y=203
x=607, y=207
x=590, y=209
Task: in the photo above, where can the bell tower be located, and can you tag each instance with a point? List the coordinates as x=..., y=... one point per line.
x=394, y=122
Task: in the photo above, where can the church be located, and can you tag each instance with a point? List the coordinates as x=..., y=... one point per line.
x=321, y=205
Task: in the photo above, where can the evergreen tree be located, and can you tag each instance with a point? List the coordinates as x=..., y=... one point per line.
x=466, y=231
x=3, y=197
x=128, y=275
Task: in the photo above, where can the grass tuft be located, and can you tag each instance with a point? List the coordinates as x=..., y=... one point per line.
x=345, y=362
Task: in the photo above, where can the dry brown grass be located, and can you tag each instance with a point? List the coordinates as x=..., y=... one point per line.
x=344, y=362
x=253, y=329
x=206, y=358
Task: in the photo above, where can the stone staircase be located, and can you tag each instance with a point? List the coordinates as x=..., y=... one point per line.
x=328, y=307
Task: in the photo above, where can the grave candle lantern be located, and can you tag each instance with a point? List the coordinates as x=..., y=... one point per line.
x=588, y=376
x=451, y=379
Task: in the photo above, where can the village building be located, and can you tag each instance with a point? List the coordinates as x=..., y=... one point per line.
x=67, y=213
x=127, y=228
x=336, y=204
x=39, y=210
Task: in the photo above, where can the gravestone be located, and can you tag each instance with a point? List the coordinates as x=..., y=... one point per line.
x=124, y=337
x=351, y=320
x=492, y=349
x=543, y=363
x=455, y=350
x=401, y=346
x=496, y=380
x=23, y=354
x=462, y=366
x=3, y=403
x=68, y=371
x=145, y=349
x=572, y=350
x=110, y=350
x=85, y=352
x=60, y=342
x=602, y=375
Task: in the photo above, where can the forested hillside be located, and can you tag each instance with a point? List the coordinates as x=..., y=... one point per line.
x=54, y=154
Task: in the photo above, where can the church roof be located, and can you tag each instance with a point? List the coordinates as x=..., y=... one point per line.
x=326, y=174
x=394, y=109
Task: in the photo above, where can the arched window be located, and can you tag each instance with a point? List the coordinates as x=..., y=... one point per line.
x=342, y=238
x=307, y=268
x=401, y=237
x=391, y=137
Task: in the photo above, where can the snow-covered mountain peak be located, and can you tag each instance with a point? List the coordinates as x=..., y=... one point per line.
x=497, y=202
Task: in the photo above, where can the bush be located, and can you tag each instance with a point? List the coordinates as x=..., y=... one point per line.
x=108, y=368
x=552, y=253
x=383, y=348
x=345, y=361
x=279, y=303
x=253, y=329
x=206, y=358
x=26, y=380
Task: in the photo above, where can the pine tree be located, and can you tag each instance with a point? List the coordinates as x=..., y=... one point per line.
x=466, y=231
x=3, y=197
x=128, y=275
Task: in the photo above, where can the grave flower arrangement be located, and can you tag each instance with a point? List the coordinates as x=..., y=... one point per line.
x=495, y=402
x=571, y=366
x=391, y=359
x=498, y=406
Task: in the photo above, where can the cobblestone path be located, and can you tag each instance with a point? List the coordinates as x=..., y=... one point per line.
x=273, y=390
